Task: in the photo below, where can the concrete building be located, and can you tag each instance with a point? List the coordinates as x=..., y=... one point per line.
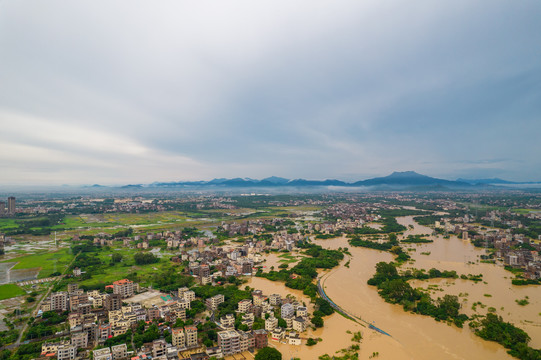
x=59, y=301
x=299, y=324
x=244, y=305
x=247, y=340
x=190, y=295
x=179, y=338
x=260, y=338
x=102, y=354
x=191, y=336
x=287, y=311
x=79, y=340
x=124, y=288
x=271, y=323
x=119, y=351
x=2, y=208
x=11, y=205
x=213, y=302
x=113, y=302
x=275, y=299
x=229, y=342
x=159, y=348
x=228, y=321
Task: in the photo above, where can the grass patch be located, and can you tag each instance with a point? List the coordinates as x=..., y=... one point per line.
x=8, y=291
x=44, y=260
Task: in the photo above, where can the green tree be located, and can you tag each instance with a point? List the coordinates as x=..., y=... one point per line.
x=317, y=321
x=268, y=353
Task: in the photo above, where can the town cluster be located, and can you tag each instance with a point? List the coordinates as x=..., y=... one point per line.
x=96, y=317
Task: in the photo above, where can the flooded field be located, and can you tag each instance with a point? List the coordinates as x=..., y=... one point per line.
x=334, y=333
x=421, y=337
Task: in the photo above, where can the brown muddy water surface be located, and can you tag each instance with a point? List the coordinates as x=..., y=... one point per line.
x=421, y=337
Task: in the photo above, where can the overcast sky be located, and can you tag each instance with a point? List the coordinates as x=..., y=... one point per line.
x=133, y=92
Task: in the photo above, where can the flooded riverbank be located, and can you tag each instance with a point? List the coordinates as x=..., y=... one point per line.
x=420, y=337
x=334, y=334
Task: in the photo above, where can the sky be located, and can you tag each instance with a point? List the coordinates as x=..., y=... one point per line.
x=117, y=92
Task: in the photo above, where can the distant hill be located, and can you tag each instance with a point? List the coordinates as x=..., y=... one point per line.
x=400, y=180
x=410, y=178
x=496, y=181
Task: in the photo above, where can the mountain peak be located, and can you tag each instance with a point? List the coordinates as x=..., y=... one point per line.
x=405, y=174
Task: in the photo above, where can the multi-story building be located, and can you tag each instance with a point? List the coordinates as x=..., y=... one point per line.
x=191, y=336
x=124, y=288
x=105, y=331
x=275, y=299
x=179, y=338
x=248, y=319
x=302, y=311
x=260, y=338
x=113, y=302
x=181, y=291
x=11, y=205
x=247, y=340
x=2, y=208
x=66, y=352
x=75, y=300
x=271, y=323
x=159, y=348
x=102, y=354
x=79, y=340
x=244, y=305
x=213, y=302
x=299, y=324
x=287, y=311
x=119, y=351
x=229, y=342
x=228, y=321
x=72, y=288
x=59, y=301
x=190, y=295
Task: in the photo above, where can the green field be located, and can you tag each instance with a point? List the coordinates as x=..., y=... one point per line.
x=44, y=260
x=10, y=290
x=524, y=211
x=8, y=224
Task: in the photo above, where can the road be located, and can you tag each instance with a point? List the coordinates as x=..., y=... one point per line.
x=36, y=309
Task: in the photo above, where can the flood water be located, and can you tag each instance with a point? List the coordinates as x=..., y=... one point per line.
x=421, y=337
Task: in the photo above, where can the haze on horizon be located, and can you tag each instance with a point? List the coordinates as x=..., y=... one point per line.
x=123, y=92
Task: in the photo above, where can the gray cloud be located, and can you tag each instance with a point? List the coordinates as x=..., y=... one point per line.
x=124, y=91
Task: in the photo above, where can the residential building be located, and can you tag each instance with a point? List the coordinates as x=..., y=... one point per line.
x=228, y=321
x=59, y=301
x=275, y=299
x=213, y=302
x=260, y=338
x=179, y=338
x=79, y=340
x=247, y=340
x=287, y=311
x=271, y=323
x=102, y=354
x=299, y=324
x=191, y=336
x=244, y=305
x=119, y=351
x=190, y=295
x=124, y=288
x=159, y=348
x=229, y=342
x=113, y=302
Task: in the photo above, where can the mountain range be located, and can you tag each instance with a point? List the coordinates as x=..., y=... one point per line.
x=406, y=180
x=395, y=180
